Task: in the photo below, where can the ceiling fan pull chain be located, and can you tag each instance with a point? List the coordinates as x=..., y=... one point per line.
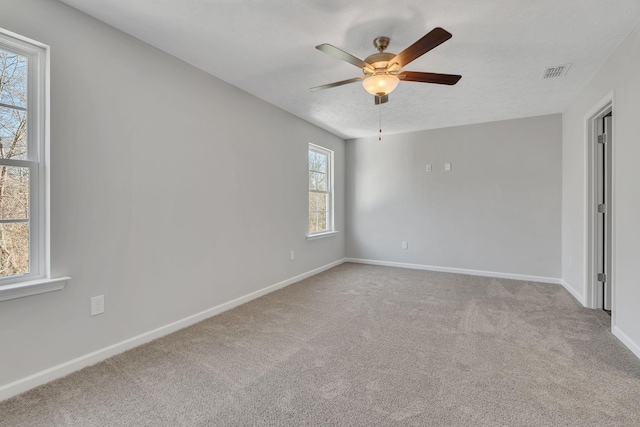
x=380, y=122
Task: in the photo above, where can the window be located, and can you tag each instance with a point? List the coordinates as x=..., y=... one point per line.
x=320, y=191
x=24, y=238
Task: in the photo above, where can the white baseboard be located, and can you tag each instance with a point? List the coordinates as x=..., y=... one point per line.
x=457, y=270
x=43, y=377
x=573, y=292
x=628, y=342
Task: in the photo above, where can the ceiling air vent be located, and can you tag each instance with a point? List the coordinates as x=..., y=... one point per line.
x=556, y=71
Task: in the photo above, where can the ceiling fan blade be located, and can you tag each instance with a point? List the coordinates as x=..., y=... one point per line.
x=441, y=79
x=340, y=83
x=343, y=56
x=381, y=99
x=433, y=39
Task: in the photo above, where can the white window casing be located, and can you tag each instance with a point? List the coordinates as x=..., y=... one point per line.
x=37, y=160
x=321, y=193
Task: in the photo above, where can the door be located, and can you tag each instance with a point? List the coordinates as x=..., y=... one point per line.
x=603, y=208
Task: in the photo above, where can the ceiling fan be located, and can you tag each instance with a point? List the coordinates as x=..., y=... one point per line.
x=382, y=70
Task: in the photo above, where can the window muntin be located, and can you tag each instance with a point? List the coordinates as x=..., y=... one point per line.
x=320, y=190
x=22, y=171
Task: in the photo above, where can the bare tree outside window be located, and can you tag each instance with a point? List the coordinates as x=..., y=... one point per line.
x=14, y=180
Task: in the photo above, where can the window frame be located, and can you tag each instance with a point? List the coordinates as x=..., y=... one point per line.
x=330, y=192
x=38, y=279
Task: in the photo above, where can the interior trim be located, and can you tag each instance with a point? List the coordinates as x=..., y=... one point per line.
x=628, y=342
x=483, y=273
x=573, y=292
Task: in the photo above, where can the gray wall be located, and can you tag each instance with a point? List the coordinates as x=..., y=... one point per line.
x=172, y=192
x=621, y=74
x=497, y=210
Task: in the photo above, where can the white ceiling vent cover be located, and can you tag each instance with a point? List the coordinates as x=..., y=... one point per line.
x=555, y=71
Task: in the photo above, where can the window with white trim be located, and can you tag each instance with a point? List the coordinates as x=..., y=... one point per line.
x=24, y=199
x=320, y=190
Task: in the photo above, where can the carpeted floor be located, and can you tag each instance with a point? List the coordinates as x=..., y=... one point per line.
x=363, y=345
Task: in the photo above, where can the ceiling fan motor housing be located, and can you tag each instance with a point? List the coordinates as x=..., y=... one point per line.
x=379, y=61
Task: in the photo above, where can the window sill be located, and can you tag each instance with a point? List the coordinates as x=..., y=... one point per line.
x=33, y=287
x=322, y=235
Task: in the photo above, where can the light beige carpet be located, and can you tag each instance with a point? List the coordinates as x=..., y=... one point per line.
x=364, y=346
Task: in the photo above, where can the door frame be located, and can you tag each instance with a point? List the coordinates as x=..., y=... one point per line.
x=591, y=290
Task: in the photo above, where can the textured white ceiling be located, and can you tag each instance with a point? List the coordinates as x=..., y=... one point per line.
x=501, y=48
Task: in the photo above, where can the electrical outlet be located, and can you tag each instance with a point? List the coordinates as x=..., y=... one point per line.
x=97, y=305
x=405, y=245
x=428, y=168
x=447, y=167
x=293, y=255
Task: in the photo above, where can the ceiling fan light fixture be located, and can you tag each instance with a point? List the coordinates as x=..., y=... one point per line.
x=382, y=69
x=380, y=84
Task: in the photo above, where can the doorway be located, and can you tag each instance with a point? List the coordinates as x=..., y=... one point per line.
x=600, y=208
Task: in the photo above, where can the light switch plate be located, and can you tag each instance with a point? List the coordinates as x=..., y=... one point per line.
x=447, y=167
x=428, y=168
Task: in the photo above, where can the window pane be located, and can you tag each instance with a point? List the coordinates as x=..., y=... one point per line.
x=14, y=249
x=313, y=202
x=13, y=80
x=14, y=192
x=312, y=160
x=321, y=163
x=317, y=202
x=322, y=221
x=13, y=134
x=320, y=180
x=312, y=181
x=322, y=202
x=313, y=222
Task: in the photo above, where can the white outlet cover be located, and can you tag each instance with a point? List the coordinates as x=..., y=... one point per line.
x=447, y=167
x=405, y=245
x=97, y=305
x=428, y=168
